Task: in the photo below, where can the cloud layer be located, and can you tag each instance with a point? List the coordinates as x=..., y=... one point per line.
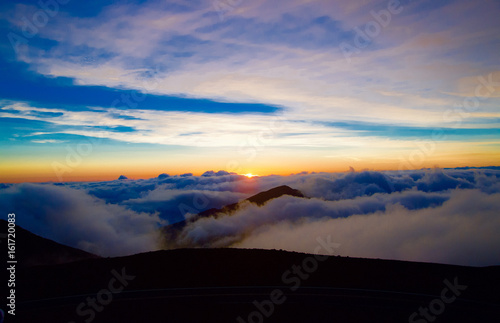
x=75, y=218
x=446, y=216
x=463, y=230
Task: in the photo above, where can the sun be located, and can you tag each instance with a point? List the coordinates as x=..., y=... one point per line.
x=250, y=175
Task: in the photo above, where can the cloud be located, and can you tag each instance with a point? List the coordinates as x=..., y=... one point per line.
x=174, y=205
x=164, y=187
x=194, y=129
x=208, y=231
x=463, y=230
x=446, y=216
x=212, y=173
x=437, y=215
x=285, y=54
x=47, y=141
x=439, y=181
x=74, y=218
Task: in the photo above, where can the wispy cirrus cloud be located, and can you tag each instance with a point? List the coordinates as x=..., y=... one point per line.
x=287, y=55
x=211, y=82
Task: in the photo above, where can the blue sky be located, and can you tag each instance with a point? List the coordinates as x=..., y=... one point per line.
x=195, y=83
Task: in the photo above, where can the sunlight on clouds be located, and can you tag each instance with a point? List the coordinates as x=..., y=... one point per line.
x=257, y=141
x=307, y=80
x=481, y=86
x=414, y=76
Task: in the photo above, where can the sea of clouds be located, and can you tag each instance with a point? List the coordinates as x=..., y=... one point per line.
x=433, y=215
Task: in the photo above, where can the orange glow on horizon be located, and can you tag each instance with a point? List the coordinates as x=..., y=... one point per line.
x=16, y=170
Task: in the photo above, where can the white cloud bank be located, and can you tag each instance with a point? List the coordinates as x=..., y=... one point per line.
x=464, y=230
x=432, y=216
x=444, y=216
x=74, y=218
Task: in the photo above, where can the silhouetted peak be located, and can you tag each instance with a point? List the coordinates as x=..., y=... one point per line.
x=35, y=250
x=262, y=197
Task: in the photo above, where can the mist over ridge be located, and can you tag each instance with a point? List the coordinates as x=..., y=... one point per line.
x=436, y=215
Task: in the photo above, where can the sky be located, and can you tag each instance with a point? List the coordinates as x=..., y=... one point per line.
x=93, y=90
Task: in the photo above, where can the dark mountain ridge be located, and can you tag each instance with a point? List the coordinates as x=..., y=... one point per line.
x=259, y=199
x=172, y=231
x=33, y=250
x=220, y=285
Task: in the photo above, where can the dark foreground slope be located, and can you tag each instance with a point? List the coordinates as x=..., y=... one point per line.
x=32, y=250
x=231, y=285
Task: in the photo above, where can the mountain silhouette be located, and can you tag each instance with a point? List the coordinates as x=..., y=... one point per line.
x=33, y=250
x=172, y=231
x=259, y=199
x=220, y=285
